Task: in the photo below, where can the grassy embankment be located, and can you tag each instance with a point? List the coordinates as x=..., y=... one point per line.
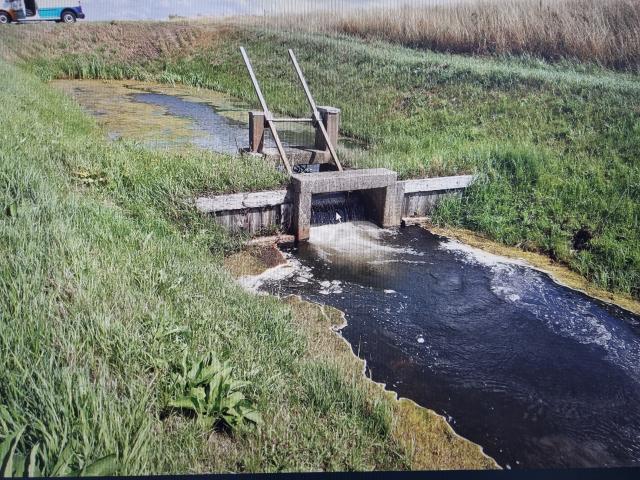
x=556, y=145
x=109, y=278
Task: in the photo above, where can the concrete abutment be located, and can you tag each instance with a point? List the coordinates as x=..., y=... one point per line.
x=387, y=200
x=378, y=186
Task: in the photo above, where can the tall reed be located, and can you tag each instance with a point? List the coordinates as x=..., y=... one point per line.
x=606, y=32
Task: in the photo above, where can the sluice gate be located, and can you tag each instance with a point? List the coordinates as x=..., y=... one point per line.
x=320, y=190
x=264, y=212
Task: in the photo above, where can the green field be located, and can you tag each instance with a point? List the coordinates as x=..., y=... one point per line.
x=110, y=277
x=556, y=145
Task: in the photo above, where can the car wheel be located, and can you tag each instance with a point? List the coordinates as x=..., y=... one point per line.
x=4, y=18
x=69, y=17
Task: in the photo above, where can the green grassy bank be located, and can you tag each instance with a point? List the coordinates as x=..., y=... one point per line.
x=556, y=146
x=109, y=279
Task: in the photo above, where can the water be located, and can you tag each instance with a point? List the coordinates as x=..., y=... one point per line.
x=330, y=208
x=226, y=134
x=162, y=116
x=536, y=373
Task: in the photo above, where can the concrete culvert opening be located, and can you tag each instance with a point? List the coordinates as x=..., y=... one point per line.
x=369, y=193
x=337, y=207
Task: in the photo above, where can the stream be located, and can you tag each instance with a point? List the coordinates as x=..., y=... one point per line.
x=173, y=116
x=538, y=374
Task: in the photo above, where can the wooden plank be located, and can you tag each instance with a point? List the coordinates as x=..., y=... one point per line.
x=314, y=109
x=419, y=204
x=265, y=109
x=293, y=120
x=331, y=120
x=256, y=131
x=253, y=221
x=423, y=203
x=241, y=201
x=298, y=155
x=286, y=213
x=437, y=183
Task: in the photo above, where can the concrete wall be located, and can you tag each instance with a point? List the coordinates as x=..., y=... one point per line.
x=260, y=212
x=378, y=185
x=253, y=212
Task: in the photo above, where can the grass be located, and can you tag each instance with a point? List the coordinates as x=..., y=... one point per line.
x=109, y=277
x=555, y=144
x=604, y=32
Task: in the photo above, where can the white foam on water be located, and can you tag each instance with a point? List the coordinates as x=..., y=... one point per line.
x=330, y=287
x=400, y=260
x=571, y=316
x=362, y=241
x=513, y=281
x=292, y=269
x=476, y=256
x=253, y=283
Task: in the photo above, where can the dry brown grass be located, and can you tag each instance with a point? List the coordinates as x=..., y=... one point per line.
x=606, y=32
x=122, y=41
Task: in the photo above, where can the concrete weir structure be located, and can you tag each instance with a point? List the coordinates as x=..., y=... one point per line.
x=383, y=198
x=387, y=200
x=377, y=184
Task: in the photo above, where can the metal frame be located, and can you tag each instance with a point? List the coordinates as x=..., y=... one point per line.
x=316, y=120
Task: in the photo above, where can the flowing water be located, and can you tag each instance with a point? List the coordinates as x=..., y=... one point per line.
x=330, y=208
x=536, y=373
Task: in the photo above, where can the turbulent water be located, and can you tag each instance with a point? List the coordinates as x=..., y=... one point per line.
x=538, y=374
x=331, y=208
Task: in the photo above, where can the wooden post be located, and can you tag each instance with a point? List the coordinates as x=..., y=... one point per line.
x=314, y=110
x=331, y=121
x=256, y=132
x=267, y=114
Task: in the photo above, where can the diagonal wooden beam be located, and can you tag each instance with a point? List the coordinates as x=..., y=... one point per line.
x=314, y=108
x=267, y=114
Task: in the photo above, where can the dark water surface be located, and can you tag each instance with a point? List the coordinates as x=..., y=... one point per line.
x=536, y=373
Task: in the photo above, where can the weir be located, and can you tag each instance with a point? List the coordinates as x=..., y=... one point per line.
x=331, y=208
x=377, y=186
x=258, y=213
x=339, y=195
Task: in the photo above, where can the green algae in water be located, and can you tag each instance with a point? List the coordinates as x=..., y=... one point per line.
x=161, y=116
x=112, y=105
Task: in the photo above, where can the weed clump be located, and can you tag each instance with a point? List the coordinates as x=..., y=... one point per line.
x=213, y=395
